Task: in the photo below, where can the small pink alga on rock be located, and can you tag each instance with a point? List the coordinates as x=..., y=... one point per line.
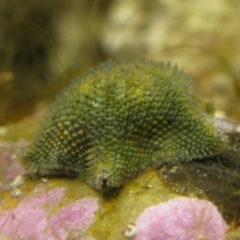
x=181, y=218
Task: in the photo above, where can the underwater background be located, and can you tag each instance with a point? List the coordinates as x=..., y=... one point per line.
x=45, y=44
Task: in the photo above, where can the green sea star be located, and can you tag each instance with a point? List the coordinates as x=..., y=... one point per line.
x=121, y=119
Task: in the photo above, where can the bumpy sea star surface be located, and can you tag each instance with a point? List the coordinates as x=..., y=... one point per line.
x=121, y=119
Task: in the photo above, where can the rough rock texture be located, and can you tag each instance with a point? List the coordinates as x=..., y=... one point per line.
x=120, y=119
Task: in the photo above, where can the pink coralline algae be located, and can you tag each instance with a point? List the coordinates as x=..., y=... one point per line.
x=78, y=216
x=31, y=220
x=181, y=219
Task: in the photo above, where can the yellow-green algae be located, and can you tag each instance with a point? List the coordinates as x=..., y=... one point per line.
x=121, y=119
x=24, y=129
x=120, y=210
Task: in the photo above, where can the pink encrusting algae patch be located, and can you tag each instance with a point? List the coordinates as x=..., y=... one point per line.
x=78, y=216
x=181, y=219
x=31, y=220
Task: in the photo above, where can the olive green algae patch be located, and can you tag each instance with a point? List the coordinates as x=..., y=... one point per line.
x=121, y=119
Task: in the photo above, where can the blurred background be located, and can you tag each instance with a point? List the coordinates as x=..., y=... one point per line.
x=44, y=44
